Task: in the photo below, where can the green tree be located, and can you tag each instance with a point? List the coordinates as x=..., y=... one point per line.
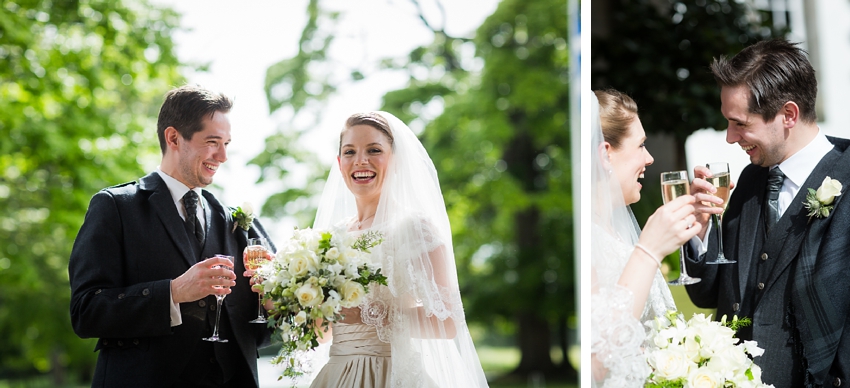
x=80, y=85
x=659, y=53
x=500, y=146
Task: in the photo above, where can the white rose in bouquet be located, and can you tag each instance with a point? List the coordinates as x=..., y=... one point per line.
x=300, y=266
x=703, y=378
x=332, y=253
x=671, y=363
x=352, y=294
x=309, y=295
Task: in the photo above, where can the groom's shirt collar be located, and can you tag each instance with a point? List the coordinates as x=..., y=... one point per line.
x=799, y=166
x=178, y=190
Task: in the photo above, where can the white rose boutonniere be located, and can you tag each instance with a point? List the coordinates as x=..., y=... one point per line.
x=242, y=216
x=819, y=202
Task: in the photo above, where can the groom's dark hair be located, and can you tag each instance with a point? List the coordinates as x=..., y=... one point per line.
x=775, y=72
x=184, y=109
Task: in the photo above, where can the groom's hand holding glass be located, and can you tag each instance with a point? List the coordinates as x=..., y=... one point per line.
x=708, y=203
x=202, y=278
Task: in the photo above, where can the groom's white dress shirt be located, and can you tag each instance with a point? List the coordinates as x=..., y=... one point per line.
x=796, y=168
x=178, y=190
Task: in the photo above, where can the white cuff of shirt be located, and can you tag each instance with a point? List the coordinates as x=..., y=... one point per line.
x=176, y=318
x=699, y=245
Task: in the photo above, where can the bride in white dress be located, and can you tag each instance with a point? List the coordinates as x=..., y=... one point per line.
x=627, y=287
x=413, y=332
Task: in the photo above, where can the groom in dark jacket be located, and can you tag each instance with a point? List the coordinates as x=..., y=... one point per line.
x=141, y=269
x=792, y=270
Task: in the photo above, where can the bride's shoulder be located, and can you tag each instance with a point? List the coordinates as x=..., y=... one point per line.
x=416, y=221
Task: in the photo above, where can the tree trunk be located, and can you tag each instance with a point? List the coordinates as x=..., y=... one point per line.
x=534, y=342
x=58, y=373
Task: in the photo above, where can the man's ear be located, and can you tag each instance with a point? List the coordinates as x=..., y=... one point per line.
x=172, y=138
x=790, y=114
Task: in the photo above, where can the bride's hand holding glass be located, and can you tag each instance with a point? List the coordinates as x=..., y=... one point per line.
x=671, y=226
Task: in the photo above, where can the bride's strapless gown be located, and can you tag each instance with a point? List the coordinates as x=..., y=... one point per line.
x=358, y=359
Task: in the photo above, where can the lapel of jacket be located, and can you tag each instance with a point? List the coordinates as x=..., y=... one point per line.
x=162, y=202
x=220, y=227
x=796, y=223
x=750, y=221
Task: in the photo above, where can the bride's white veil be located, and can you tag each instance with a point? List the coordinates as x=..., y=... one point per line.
x=616, y=336
x=420, y=313
x=610, y=212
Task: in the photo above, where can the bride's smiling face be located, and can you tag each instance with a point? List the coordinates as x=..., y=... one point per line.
x=629, y=161
x=364, y=155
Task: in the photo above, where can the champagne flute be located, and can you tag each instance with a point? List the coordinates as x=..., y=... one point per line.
x=219, y=299
x=257, y=253
x=673, y=185
x=720, y=179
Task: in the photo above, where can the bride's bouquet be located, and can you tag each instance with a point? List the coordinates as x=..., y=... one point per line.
x=311, y=278
x=701, y=353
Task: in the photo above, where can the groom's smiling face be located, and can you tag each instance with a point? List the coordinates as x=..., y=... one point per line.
x=764, y=141
x=200, y=156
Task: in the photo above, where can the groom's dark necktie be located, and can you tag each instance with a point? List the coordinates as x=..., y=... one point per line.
x=190, y=204
x=771, y=204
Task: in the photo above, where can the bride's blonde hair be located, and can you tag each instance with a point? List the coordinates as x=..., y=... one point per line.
x=616, y=112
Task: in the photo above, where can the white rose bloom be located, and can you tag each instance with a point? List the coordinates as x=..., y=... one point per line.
x=332, y=253
x=670, y=364
x=828, y=190
x=247, y=208
x=703, y=378
x=309, y=295
x=301, y=318
x=300, y=266
x=352, y=294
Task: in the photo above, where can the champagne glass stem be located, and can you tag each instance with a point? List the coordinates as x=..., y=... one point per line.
x=260, y=318
x=218, y=300
x=684, y=279
x=721, y=257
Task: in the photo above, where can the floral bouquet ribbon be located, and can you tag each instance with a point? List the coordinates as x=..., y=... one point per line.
x=310, y=280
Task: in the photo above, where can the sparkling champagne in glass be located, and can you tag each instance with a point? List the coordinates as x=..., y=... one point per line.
x=720, y=179
x=673, y=185
x=219, y=299
x=256, y=254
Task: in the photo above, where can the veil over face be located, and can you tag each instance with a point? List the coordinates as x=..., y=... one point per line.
x=420, y=311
